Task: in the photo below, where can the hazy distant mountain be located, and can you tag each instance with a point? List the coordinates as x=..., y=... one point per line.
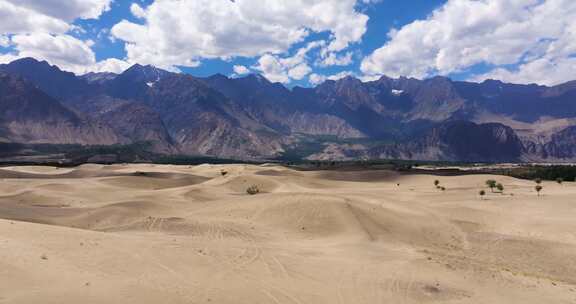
x=48, y=78
x=274, y=106
x=132, y=121
x=28, y=115
x=253, y=118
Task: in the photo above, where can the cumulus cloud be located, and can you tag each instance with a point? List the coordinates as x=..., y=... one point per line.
x=316, y=79
x=241, y=70
x=540, y=71
x=137, y=11
x=41, y=29
x=533, y=34
x=183, y=32
x=65, y=51
x=68, y=10
x=112, y=65
x=285, y=69
x=7, y=58
x=17, y=20
x=5, y=41
x=333, y=59
x=68, y=53
x=272, y=69
x=300, y=71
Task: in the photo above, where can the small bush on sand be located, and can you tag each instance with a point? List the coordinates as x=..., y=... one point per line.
x=559, y=180
x=491, y=184
x=500, y=188
x=538, y=188
x=253, y=190
x=538, y=181
x=436, y=183
x=224, y=172
x=482, y=194
x=140, y=173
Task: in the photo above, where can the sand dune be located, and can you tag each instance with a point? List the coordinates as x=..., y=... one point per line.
x=181, y=234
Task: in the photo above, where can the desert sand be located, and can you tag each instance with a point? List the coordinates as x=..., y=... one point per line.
x=187, y=234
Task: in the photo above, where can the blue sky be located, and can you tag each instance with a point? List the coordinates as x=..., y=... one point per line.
x=384, y=16
x=301, y=42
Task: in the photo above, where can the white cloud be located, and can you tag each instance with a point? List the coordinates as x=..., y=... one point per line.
x=67, y=52
x=112, y=65
x=5, y=41
x=463, y=33
x=137, y=11
x=541, y=71
x=551, y=62
x=333, y=59
x=64, y=51
x=67, y=10
x=272, y=69
x=183, y=32
x=300, y=71
x=241, y=70
x=316, y=79
x=285, y=69
x=18, y=20
x=7, y=58
x=38, y=28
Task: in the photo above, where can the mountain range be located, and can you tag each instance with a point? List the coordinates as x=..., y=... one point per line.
x=251, y=118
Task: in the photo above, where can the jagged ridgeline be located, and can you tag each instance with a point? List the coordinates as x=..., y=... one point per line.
x=251, y=118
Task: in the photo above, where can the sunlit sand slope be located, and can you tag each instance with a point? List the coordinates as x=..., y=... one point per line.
x=180, y=234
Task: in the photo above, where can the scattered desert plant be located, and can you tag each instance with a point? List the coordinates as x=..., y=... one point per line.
x=436, y=183
x=442, y=188
x=559, y=180
x=224, y=172
x=482, y=194
x=538, y=188
x=140, y=173
x=500, y=187
x=491, y=184
x=538, y=181
x=253, y=190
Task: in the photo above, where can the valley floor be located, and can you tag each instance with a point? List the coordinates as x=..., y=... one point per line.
x=179, y=234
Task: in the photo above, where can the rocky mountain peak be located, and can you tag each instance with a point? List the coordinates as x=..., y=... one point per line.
x=145, y=73
x=51, y=79
x=435, y=118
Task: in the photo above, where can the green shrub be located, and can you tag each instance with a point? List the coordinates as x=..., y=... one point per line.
x=538, y=188
x=491, y=184
x=253, y=190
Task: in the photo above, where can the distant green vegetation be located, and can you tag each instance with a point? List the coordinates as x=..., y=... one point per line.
x=138, y=152
x=72, y=155
x=17, y=149
x=253, y=190
x=301, y=150
x=308, y=145
x=294, y=157
x=194, y=160
x=549, y=173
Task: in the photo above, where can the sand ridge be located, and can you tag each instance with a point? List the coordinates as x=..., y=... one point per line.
x=190, y=234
